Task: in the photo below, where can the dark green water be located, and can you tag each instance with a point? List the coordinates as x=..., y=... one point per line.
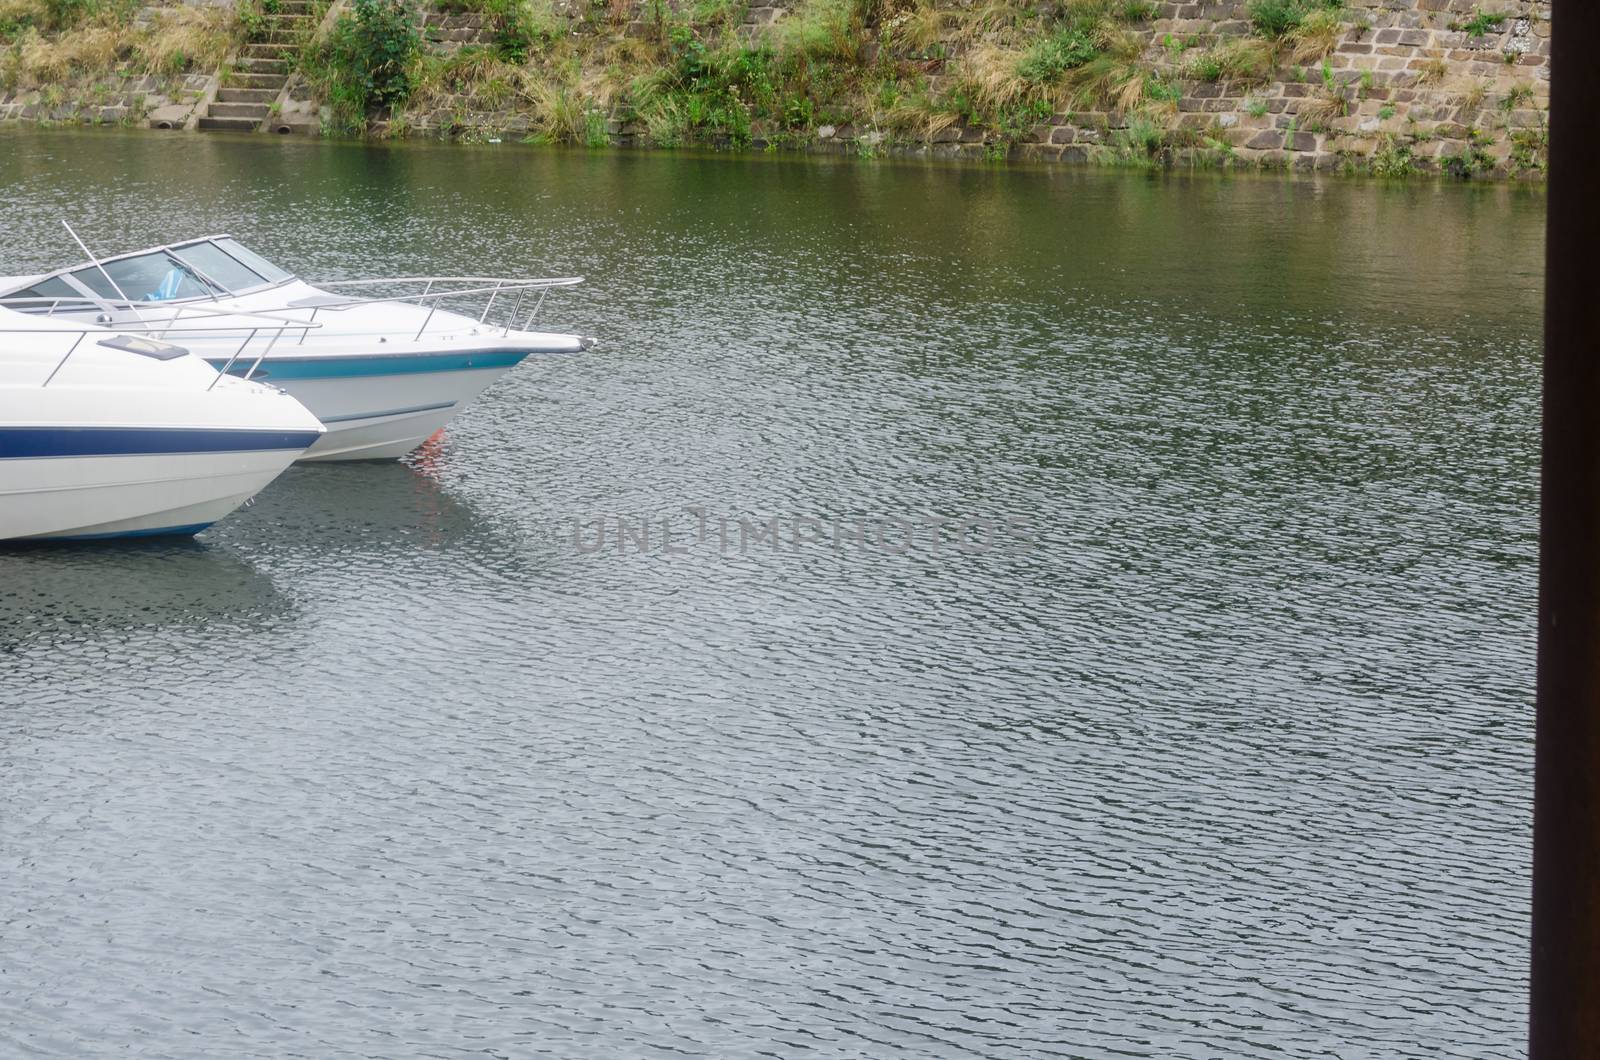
x=1219, y=747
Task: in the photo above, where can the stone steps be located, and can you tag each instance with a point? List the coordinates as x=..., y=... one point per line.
x=247, y=95
x=254, y=111
x=260, y=72
x=229, y=124
x=258, y=81
x=245, y=104
x=285, y=32
x=267, y=50
x=262, y=66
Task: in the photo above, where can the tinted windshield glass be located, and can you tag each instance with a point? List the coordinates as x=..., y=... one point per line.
x=54, y=287
x=254, y=261
x=212, y=264
x=146, y=278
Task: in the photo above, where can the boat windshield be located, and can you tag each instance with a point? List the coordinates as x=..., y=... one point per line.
x=269, y=272
x=216, y=267
x=50, y=287
x=204, y=268
x=155, y=277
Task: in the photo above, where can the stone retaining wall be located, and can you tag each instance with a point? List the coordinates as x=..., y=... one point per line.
x=119, y=96
x=1407, y=88
x=1408, y=80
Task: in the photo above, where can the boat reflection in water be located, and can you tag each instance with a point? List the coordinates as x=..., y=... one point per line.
x=368, y=511
x=152, y=589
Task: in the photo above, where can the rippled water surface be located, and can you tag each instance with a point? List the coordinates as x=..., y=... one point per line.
x=1215, y=744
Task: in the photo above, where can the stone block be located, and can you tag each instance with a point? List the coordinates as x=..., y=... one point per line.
x=172, y=116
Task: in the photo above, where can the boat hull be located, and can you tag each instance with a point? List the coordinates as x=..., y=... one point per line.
x=380, y=408
x=129, y=496
x=119, y=444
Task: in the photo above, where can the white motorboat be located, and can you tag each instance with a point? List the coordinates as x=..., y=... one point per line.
x=105, y=434
x=386, y=364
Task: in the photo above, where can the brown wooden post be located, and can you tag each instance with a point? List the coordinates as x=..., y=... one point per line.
x=1564, y=1019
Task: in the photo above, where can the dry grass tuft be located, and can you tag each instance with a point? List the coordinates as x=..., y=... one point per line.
x=1114, y=78
x=1323, y=108
x=1433, y=72
x=560, y=111
x=919, y=116
x=1249, y=59
x=37, y=60
x=924, y=25
x=177, y=40
x=991, y=19
x=1316, y=36
x=989, y=72
x=185, y=38
x=1471, y=97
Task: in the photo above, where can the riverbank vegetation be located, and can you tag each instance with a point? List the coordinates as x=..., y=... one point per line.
x=48, y=43
x=991, y=72
x=699, y=71
x=1290, y=83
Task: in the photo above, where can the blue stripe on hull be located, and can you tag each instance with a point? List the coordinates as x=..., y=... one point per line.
x=158, y=531
x=28, y=442
x=277, y=369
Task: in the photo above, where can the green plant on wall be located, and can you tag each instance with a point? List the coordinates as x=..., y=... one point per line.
x=1279, y=18
x=517, y=28
x=1479, y=25
x=367, y=61
x=1530, y=149
x=1392, y=159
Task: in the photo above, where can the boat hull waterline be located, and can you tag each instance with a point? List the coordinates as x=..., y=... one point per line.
x=98, y=481
x=381, y=408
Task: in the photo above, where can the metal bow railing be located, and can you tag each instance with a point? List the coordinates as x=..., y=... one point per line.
x=438, y=289
x=275, y=324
